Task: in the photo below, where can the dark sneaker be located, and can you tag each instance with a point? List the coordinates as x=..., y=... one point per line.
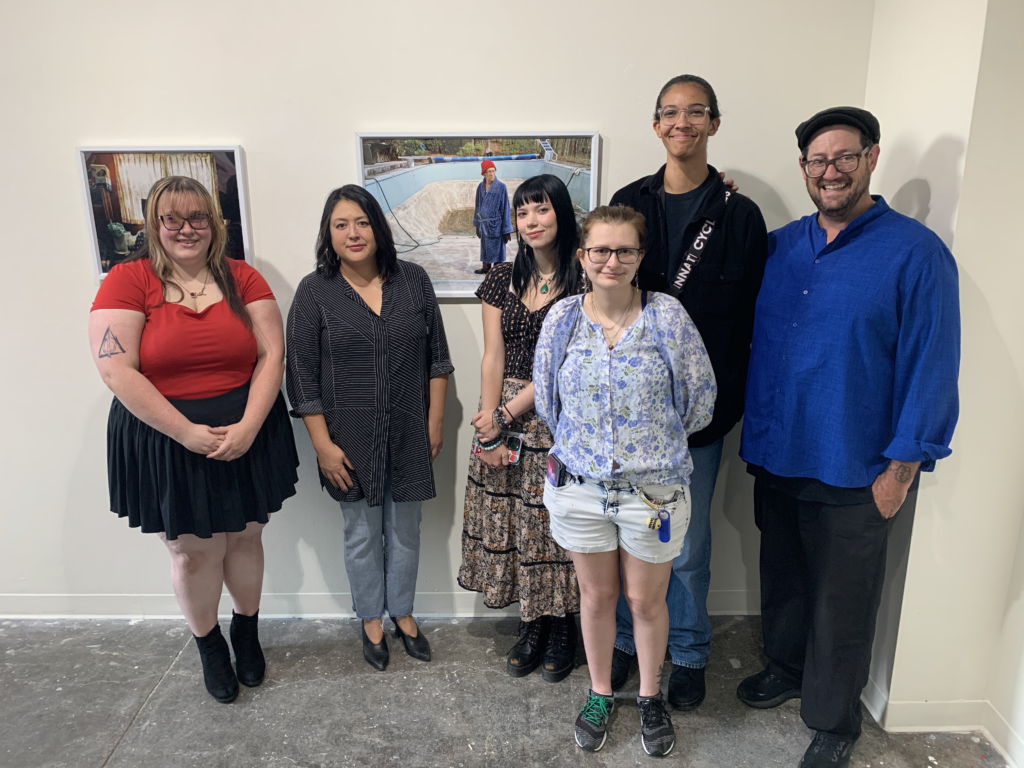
x=828, y=750
x=560, y=654
x=525, y=656
x=656, y=731
x=767, y=689
x=622, y=666
x=686, y=688
x=592, y=724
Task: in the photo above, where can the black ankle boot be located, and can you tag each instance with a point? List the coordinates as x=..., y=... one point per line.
x=217, y=672
x=525, y=655
x=560, y=653
x=250, y=664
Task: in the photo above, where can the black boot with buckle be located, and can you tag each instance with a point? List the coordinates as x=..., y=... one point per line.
x=525, y=656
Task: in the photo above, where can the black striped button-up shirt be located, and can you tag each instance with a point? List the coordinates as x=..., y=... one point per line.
x=369, y=376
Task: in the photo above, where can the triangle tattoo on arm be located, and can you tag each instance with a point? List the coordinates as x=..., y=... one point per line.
x=110, y=346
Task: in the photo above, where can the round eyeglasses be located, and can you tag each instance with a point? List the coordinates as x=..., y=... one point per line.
x=843, y=163
x=196, y=221
x=623, y=255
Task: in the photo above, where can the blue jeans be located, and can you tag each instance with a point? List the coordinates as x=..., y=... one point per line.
x=689, y=632
x=382, y=555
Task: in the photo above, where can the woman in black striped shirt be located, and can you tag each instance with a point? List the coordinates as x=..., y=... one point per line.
x=368, y=370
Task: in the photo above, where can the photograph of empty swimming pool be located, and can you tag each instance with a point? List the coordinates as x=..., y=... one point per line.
x=427, y=186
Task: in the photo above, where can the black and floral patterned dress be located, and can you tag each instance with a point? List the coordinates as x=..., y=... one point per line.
x=507, y=550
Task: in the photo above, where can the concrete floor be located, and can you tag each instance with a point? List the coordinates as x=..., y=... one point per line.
x=91, y=694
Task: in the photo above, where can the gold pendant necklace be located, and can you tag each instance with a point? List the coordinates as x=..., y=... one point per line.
x=202, y=291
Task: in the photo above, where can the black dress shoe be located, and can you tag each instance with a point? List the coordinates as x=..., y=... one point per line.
x=528, y=652
x=828, y=750
x=560, y=653
x=483, y=270
x=686, y=688
x=767, y=689
x=417, y=647
x=376, y=654
x=218, y=675
x=250, y=664
x=622, y=666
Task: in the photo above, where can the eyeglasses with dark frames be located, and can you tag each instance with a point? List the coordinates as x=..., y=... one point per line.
x=623, y=255
x=196, y=221
x=844, y=164
x=695, y=114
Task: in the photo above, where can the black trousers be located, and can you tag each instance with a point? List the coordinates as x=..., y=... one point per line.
x=822, y=568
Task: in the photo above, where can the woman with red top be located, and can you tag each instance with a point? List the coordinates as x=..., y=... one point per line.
x=199, y=445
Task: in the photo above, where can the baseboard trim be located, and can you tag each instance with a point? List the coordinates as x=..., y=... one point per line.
x=875, y=700
x=976, y=715
x=273, y=605
x=459, y=604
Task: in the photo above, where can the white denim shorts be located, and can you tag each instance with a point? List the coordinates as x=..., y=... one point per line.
x=591, y=517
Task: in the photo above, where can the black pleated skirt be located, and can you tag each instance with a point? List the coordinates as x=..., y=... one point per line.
x=161, y=486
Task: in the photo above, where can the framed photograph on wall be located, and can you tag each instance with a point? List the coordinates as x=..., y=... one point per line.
x=116, y=183
x=427, y=185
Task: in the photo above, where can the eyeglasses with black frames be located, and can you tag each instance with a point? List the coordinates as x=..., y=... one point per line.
x=623, y=255
x=695, y=114
x=196, y=221
x=844, y=164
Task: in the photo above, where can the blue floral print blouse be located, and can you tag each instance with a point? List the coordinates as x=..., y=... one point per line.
x=625, y=413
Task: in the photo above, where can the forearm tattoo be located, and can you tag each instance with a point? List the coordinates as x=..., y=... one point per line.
x=110, y=346
x=904, y=474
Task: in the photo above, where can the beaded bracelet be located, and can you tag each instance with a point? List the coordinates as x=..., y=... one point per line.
x=489, y=446
x=499, y=418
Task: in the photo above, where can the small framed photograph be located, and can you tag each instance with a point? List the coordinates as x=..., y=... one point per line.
x=116, y=182
x=432, y=189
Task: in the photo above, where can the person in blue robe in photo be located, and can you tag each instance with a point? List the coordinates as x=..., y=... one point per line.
x=492, y=218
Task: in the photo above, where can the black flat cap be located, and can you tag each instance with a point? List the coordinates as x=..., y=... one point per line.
x=852, y=116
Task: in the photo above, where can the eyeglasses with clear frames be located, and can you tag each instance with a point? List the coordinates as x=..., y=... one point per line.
x=196, y=221
x=623, y=255
x=695, y=114
x=844, y=164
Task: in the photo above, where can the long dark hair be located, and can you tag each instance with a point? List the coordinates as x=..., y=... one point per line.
x=188, y=196
x=327, y=261
x=567, y=267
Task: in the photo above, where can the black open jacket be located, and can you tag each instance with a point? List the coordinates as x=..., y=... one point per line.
x=720, y=293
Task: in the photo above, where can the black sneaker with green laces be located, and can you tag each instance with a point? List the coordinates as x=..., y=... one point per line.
x=592, y=724
x=656, y=729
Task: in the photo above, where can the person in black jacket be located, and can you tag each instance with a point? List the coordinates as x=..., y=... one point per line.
x=720, y=275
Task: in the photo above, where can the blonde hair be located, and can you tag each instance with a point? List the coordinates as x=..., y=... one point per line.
x=195, y=199
x=614, y=214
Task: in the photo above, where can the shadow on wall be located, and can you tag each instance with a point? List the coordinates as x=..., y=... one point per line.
x=774, y=209
x=735, y=538
x=932, y=194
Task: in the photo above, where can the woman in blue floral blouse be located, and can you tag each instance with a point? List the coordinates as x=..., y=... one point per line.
x=621, y=377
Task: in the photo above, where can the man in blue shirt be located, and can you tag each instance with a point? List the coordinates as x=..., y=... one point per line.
x=852, y=390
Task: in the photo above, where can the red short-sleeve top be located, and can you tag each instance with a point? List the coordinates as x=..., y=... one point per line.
x=187, y=355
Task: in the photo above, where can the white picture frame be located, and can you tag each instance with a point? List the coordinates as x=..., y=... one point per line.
x=103, y=197
x=421, y=239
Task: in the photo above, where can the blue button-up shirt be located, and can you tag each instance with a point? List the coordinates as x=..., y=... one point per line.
x=856, y=350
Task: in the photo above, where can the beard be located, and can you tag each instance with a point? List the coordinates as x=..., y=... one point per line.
x=839, y=207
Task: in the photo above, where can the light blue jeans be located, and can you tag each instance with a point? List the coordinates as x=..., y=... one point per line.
x=382, y=555
x=689, y=632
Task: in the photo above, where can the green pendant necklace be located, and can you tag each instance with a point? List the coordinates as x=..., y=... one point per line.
x=545, y=283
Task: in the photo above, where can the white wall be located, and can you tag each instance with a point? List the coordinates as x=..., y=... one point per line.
x=292, y=84
x=922, y=73
x=961, y=640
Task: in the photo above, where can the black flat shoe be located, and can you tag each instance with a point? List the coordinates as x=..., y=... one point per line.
x=417, y=647
x=686, y=688
x=376, y=654
x=218, y=674
x=767, y=689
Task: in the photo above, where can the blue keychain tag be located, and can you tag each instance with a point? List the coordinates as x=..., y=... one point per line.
x=665, y=529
